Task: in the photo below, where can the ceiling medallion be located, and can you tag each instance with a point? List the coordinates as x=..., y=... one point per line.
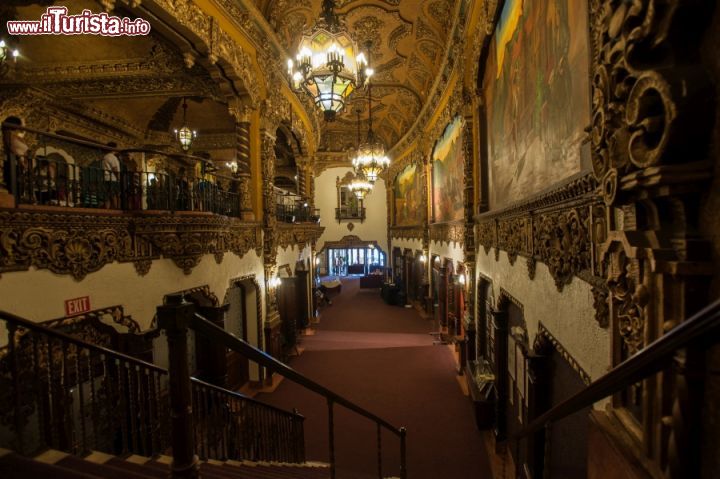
x=329, y=66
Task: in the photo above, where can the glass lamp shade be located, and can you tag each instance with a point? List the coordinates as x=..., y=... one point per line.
x=328, y=68
x=185, y=136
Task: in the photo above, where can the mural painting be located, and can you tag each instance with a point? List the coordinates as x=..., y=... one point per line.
x=537, y=86
x=448, y=174
x=408, y=197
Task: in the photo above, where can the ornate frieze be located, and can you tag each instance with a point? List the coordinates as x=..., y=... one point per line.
x=407, y=232
x=448, y=233
x=299, y=235
x=562, y=241
x=81, y=243
x=556, y=228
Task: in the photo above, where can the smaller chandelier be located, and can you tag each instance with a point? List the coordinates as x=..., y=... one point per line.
x=5, y=54
x=185, y=135
x=360, y=187
x=233, y=166
x=371, y=159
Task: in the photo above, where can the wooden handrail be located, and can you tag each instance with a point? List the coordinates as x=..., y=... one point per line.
x=652, y=359
x=4, y=315
x=217, y=334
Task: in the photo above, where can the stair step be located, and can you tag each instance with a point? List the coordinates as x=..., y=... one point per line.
x=99, y=465
x=14, y=466
x=107, y=470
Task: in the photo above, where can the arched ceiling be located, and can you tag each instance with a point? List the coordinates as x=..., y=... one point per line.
x=408, y=38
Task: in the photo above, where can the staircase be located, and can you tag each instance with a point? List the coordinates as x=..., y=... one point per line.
x=60, y=465
x=69, y=408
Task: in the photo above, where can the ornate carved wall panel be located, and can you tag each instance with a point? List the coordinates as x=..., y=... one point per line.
x=556, y=228
x=298, y=235
x=78, y=244
x=448, y=233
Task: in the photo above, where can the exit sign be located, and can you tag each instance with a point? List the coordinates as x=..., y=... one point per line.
x=77, y=306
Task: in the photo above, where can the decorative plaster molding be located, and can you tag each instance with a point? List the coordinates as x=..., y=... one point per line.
x=299, y=235
x=81, y=243
x=448, y=233
x=408, y=232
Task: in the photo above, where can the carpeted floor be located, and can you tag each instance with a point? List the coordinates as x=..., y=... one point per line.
x=381, y=357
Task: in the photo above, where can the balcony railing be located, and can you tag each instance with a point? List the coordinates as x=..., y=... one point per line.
x=350, y=213
x=50, y=178
x=297, y=214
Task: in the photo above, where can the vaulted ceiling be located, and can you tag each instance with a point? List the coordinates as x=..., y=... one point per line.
x=408, y=40
x=136, y=84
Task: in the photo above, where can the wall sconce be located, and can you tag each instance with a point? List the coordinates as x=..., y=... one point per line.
x=317, y=261
x=423, y=258
x=274, y=282
x=461, y=279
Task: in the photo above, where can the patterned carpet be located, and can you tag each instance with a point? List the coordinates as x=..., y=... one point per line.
x=381, y=357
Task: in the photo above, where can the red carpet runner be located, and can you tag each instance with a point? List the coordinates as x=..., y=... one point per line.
x=382, y=358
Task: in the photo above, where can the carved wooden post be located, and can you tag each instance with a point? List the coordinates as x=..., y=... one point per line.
x=212, y=360
x=174, y=317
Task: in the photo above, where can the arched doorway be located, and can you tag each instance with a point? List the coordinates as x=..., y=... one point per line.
x=244, y=320
x=352, y=256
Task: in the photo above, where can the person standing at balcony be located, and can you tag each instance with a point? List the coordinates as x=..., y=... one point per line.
x=15, y=144
x=183, y=190
x=111, y=168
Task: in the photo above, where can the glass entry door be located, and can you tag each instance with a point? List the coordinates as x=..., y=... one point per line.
x=359, y=261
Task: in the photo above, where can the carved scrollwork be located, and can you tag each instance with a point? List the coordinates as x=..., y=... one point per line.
x=562, y=242
x=485, y=234
x=298, y=235
x=448, y=233
x=514, y=234
x=77, y=244
x=629, y=297
x=28, y=239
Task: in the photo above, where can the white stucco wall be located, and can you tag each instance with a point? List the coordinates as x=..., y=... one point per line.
x=444, y=250
x=568, y=315
x=291, y=255
x=40, y=295
x=374, y=228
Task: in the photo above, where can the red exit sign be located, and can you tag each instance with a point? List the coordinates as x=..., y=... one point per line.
x=77, y=306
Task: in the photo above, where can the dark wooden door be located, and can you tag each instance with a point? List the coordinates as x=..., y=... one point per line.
x=238, y=366
x=287, y=294
x=303, y=288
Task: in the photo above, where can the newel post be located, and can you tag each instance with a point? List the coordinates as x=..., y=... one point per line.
x=174, y=317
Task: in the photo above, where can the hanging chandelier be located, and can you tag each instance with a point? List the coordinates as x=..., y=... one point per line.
x=371, y=159
x=360, y=186
x=329, y=66
x=185, y=135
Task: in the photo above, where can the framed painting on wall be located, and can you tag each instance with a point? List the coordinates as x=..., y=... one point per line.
x=408, y=197
x=537, y=86
x=448, y=174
